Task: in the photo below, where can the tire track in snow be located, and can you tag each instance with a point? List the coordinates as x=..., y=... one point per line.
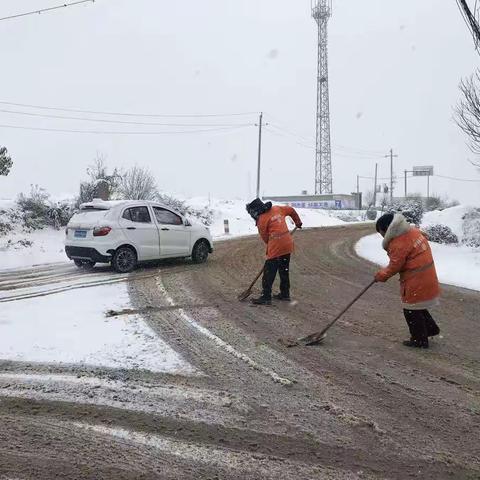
x=221, y=343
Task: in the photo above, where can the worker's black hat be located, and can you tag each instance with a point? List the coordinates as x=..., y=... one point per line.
x=257, y=207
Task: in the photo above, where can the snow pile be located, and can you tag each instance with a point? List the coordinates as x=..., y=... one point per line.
x=19, y=249
x=450, y=217
x=71, y=328
x=240, y=222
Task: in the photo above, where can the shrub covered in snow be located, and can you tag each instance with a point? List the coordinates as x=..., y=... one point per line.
x=441, y=234
x=38, y=211
x=411, y=208
x=471, y=228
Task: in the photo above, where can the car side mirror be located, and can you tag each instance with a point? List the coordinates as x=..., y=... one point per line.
x=187, y=223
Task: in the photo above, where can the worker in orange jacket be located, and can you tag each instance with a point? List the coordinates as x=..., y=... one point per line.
x=411, y=256
x=274, y=231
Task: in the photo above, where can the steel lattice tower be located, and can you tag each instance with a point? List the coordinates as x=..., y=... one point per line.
x=321, y=12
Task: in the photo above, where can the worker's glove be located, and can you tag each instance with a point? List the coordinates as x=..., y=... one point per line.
x=380, y=277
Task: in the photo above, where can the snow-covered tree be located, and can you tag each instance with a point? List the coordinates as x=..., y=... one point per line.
x=137, y=183
x=6, y=162
x=100, y=181
x=467, y=112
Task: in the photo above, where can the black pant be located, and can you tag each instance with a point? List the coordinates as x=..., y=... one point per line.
x=280, y=264
x=421, y=324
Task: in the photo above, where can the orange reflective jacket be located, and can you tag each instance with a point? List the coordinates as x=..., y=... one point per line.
x=274, y=230
x=411, y=256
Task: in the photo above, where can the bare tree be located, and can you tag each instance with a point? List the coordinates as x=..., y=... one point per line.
x=138, y=183
x=467, y=112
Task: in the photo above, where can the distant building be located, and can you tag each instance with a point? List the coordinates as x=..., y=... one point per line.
x=328, y=201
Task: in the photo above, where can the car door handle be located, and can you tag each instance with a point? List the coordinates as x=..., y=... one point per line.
x=165, y=229
x=131, y=228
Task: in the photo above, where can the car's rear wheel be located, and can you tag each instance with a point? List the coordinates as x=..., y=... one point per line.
x=124, y=260
x=200, y=251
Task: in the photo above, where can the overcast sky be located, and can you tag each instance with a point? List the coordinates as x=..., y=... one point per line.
x=395, y=66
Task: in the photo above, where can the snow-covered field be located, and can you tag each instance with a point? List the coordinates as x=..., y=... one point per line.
x=71, y=328
x=457, y=265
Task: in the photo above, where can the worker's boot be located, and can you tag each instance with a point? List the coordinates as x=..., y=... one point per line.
x=282, y=296
x=416, y=343
x=263, y=300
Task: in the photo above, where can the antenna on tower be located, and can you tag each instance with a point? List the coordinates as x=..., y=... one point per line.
x=321, y=12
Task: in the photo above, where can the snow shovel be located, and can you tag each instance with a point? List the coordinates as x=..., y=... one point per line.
x=245, y=294
x=318, y=337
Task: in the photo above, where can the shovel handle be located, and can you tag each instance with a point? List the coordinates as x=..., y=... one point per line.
x=346, y=308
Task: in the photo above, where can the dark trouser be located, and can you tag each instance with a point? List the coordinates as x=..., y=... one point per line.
x=280, y=264
x=421, y=324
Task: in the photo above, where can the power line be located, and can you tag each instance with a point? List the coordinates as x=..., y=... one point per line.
x=103, y=132
x=312, y=147
x=127, y=114
x=285, y=133
x=101, y=120
x=457, y=179
x=44, y=10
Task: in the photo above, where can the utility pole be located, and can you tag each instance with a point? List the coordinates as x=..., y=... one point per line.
x=392, y=156
x=406, y=184
x=375, y=188
x=260, y=124
x=428, y=186
x=359, y=203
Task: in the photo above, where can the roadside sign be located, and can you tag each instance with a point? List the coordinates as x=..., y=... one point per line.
x=423, y=171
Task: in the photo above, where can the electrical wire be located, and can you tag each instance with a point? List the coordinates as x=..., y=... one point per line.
x=122, y=122
x=103, y=132
x=312, y=147
x=358, y=153
x=457, y=179
x=126, y=114
x=278, y=134
x=44, y=10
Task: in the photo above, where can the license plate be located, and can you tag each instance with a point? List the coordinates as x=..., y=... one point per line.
x=80, y=234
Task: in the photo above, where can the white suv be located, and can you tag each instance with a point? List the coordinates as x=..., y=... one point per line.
x=124, y=233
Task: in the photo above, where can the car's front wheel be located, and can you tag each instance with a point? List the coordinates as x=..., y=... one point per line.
x=200, y=251
x=124, y=260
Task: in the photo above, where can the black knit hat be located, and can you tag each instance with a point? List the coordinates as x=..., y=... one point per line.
x=257, y=207
x=384, y=222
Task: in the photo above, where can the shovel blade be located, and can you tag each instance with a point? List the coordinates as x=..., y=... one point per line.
x=244, y=295
x=312, y=339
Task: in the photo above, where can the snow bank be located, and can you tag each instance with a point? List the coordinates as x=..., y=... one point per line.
x=451, y=217
x=456, y=265
x=71, y=328
x=241, y=223
x=19, y=250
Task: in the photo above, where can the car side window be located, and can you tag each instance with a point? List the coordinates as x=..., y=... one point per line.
x=137, y=215
x=166, y=217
